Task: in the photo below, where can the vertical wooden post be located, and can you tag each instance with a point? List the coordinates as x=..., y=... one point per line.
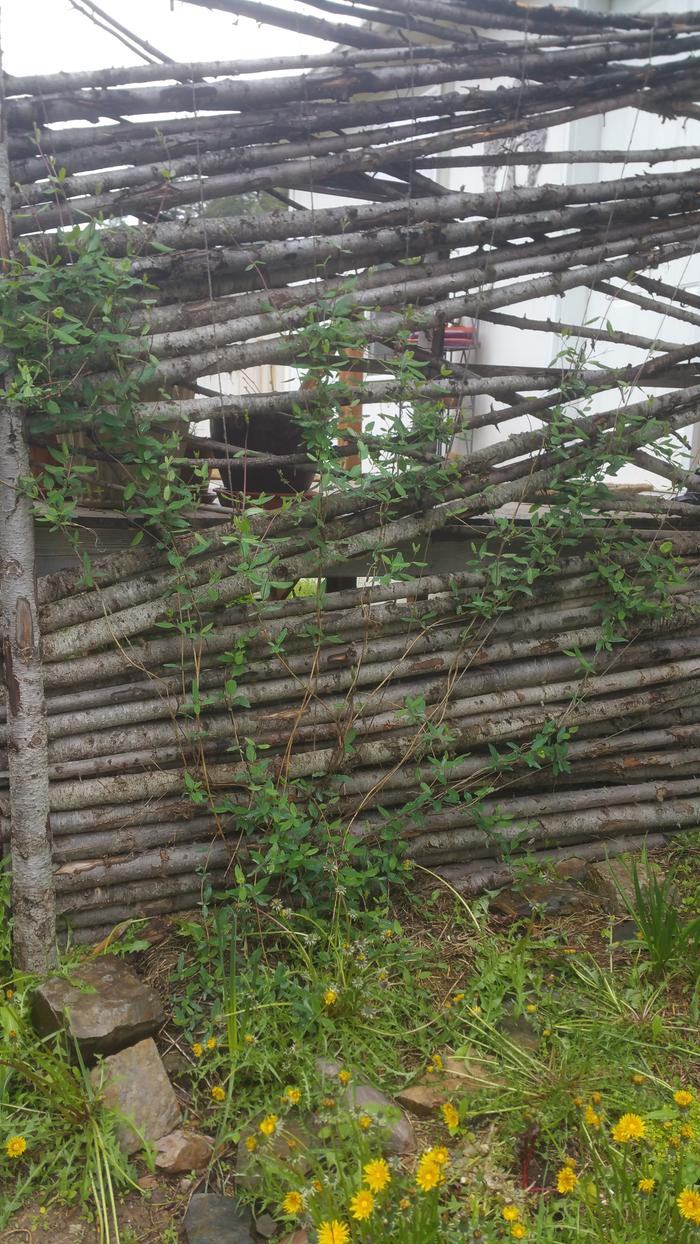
x=33, y=899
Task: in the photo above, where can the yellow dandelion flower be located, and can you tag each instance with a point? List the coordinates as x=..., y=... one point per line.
x=377, y=1174
x=197, y=1049
x=15, y=1146
x=292, y=1142
x=251, y=1144
x=9, y=994
x=429, y=1176
x=570, y=1161
x=546, y=1032
x=388, y=933
x=429, y=1173
x=212, y=1043
x=362, y=1204
x=510, y=1213
x=531, y=1008
x=596, y=1098
x=382, y=974
x=566, y=1180
x=344, y=1077
x=683, y=1098
x=688, y=1202
x=629, y=1127
x=590, y=1117
x=218, y=1093
x=646, y=1185
x=249, y=1038
x=334, y=1232
x=365, y=1122
x=293, y=1096
x=293, y=1203
x=268, y=1125
x=458, y=997
x=578, y=1101
x=439, y=1154
x=518, y=1232
x=450, y=1116
x=317, y=1185
x=638, y=1078
x=404, y=1203
x=687, y=1132
x=330, y=998
x=674, y=1142
x=328, y=1103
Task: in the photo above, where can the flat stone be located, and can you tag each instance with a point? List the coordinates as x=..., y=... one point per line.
x=266, y=1226
x=612, y=881
x=134, y=1083
x=213, y=1219
x=424, y=1099
x=572, y=868
x=460, y=1077
x=183, y=1151
x=536, y=897
x=107, y=1008
x=469, y=1075
x=519, y=1030
x=360, y=1096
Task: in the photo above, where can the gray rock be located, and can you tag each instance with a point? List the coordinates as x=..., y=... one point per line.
x=213, y=1219
x=519, y=1030
x=134, y=1083
x=361, y=1096
x=266, y=1226
x=623, y=931
x=177, y=1065
x=183, y=1151
x=107, y=1008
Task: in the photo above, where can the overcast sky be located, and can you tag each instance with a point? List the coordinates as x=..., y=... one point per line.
x=45, y=36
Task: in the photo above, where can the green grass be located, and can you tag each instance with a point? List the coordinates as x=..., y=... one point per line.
x=566, y=1031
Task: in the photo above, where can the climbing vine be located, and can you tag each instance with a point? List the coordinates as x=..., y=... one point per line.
x=77, y=336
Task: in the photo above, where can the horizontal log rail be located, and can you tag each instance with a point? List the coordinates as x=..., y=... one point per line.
x=330, y=685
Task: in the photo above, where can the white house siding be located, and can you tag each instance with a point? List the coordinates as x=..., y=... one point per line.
x=625, y=130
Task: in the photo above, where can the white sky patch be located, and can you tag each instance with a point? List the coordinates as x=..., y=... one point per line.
x=47, y=36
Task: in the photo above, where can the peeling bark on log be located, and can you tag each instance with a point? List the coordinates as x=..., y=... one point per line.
x=32, y=886
x=548, y=831
x=471, y=879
